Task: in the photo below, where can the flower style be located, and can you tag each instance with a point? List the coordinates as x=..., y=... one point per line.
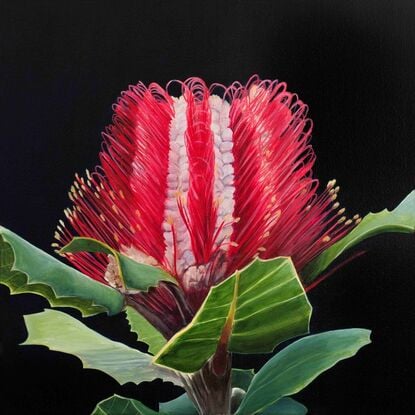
x=200, y=185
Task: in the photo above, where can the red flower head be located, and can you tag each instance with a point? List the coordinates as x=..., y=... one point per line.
x=200, y=185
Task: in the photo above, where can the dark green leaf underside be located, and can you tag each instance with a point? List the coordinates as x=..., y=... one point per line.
x=271, y=307
x=286, y=406
x=401, y=219
x=184, y=406
x=26, y=269
x=242, y=378
x=181, y=405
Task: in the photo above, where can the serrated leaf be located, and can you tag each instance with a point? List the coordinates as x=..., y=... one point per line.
x=117, y=405
x=135, y=276
x=266, y=289
x=293, y=368
x=60, y=332
x=286, y=406
x=145, y=331
x=401, y=219
x=27, y=269
x=179, y=406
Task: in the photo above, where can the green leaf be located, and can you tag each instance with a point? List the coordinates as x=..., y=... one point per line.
x=135, y=276
x=182, y=405
x=401, y=219
x=242, y=378
x=117, y=405
x=299, y=364
x=179, y=406
x=60, y=332
x=26, y=269
x=286, y=406
x=145, y=331
x=262, y=290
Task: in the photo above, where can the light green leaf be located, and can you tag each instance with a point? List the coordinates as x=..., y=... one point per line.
x=401, y=219
x=145, y=331
x=26, y=269
x=60, y=332
x=117, y=405
x=242, y=378
x=179, y=406
x=299, y=364
x=286, y=406
x=250, y=299
x=135, y=276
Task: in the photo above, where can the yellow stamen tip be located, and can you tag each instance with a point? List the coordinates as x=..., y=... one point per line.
x=331, y=183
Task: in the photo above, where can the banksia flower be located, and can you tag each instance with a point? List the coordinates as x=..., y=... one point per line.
x=200, y=185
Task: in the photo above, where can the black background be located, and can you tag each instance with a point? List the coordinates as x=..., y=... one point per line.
x=64, y=63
